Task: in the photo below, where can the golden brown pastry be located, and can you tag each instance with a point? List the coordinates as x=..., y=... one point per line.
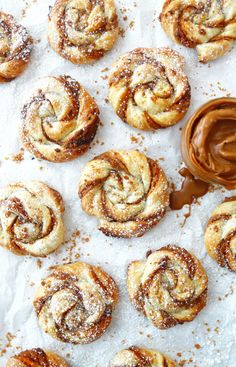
x=220, y=235
x=60, y=120
x=209, y=26
x=148, y=88
x=74, y=304
x=82, y=30
x=15, y=48
x=31, y=218
x=169, y=288
x=126, y=191
x=36, y=357
x=141, y=357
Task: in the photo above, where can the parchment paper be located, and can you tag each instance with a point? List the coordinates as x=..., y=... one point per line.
x=210, y=340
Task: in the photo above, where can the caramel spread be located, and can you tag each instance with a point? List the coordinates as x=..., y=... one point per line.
x=191, y=189
x=209, y=142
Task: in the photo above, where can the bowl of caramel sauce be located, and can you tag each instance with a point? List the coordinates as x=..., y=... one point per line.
x=208, y=142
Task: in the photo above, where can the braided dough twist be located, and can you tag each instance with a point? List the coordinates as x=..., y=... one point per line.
x=148, y=88
x=36, y=357
x=141, y=357
x=169, y=288
x=15, y=48
x=83, y=30
x=126, y=191
x=31, y=218
x=220, y=235
x=60, y=120
x=209, y=26
x=74, y=304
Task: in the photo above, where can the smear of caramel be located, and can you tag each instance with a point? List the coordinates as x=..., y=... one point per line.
x=191, y=189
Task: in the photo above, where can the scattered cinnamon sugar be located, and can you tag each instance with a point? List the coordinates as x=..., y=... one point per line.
x=39, y=263
x=72, y=246
x=122, y=32
x=8, y=344
x=27, y=5
x=18, y=157
x=104, y=70
x=131, y=24
x=138, y=140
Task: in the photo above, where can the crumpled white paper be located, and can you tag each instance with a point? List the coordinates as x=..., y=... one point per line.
x=214, y=330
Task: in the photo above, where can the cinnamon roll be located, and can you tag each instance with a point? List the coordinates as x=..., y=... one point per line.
x=82, y=31
x=220, y=235
x=126, y=191
x=148, y=88
x=74, y=304
x=169, y=288
x=141, y=357
x=36, y=357
x=31, y=218
x=60, y=120
x=208, y=26
x=15, y=48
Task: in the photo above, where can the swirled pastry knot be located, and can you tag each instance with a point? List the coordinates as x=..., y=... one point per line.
x=74, y=304
x=141, y=357
x=15, y=48
x=209, y=26
x=83, y=30
x=220, y=235
x=31, y=218
x=60, y=120
x=169, y=288
x=148, y=88
x=126, y=191
x=36, y=357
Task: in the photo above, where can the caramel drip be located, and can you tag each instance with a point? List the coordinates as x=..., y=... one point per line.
x=191, y=189
x=33, y=358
